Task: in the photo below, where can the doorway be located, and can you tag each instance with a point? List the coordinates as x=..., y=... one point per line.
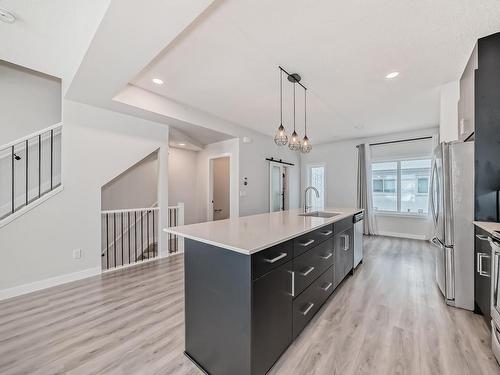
x=220, y=188
x=278, y=187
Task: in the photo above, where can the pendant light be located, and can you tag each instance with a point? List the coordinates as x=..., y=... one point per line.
x=306, y=146
x=294, y=143
x=281, y=138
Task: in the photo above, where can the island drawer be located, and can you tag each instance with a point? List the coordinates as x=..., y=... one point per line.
x=309, y=240
x=342, y=225
x=268, y=259
x=309, y=302
x=308, y=266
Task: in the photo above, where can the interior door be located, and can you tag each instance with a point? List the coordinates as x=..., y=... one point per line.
x=221, y=190
x=275, y=187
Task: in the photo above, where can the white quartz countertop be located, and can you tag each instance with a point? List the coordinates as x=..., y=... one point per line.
x=488, y=226
x=250, y=234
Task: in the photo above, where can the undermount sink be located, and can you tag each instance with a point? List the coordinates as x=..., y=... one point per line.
x=320, y=214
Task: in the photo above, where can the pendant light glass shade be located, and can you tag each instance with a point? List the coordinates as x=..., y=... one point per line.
x=281, y=138
x=294, y=143
x=306, y=146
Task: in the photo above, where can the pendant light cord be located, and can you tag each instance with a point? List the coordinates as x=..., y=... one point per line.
x=294, y=107
x=305, y=113
x=281, y=97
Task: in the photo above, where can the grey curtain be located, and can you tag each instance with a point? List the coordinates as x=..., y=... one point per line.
x=365, y=198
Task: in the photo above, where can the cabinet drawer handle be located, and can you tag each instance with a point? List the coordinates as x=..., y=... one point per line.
x=309, y=307
x=281, y=256
x=325, y=288
x=482, y=237
x=307, y=243
x=346, y=242
x=327, y=256
x=479, y=266
x=326, y=233
x=293, y=283
x=309, y=270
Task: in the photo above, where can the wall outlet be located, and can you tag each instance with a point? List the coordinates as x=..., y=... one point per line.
x=77, y=254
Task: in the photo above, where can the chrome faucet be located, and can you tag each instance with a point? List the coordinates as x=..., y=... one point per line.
x=306, y=207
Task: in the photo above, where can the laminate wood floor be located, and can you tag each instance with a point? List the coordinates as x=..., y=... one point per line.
x=389, y=318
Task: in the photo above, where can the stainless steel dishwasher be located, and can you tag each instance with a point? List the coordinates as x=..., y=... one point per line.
x=358, y=238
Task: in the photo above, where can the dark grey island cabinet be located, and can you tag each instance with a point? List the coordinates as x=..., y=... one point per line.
x=243, y=311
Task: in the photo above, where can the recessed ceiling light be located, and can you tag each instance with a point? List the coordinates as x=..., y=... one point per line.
x=392, y=75
x=157, y=81
x=182, y=144
x=7, y=16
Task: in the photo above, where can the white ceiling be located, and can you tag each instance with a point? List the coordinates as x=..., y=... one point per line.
x=193, y=135
x=226, y=62
x=49, y=36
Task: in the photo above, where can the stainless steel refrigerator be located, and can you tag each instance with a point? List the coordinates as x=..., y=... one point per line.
x=452, y=208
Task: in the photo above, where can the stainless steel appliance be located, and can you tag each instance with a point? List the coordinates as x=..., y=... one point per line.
x=495, y=301
x=452, y=208
x=358, y=238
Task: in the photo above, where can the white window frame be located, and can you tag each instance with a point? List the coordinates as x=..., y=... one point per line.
x=398, y=213
x=308, y=180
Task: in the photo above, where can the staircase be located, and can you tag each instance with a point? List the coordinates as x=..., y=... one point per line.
x=128, y=236
x=30, y=172
x=150, y=252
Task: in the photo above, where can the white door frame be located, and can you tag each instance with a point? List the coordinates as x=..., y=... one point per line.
x=210, y=192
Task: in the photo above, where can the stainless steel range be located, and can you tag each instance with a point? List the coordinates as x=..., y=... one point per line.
x=495, y=300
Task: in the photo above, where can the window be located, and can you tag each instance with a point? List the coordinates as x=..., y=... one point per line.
x=378, y=185
x=316, y=178
x=385, y=195
x=401, y=186
x=423, y=185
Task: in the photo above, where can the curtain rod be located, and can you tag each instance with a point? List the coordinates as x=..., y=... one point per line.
x=399, y=141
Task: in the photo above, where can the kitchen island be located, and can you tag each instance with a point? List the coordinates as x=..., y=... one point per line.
x=253, y=283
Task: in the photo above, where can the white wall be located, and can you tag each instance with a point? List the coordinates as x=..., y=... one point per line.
x=247, y=160
x=38, y=246
x=182, y=182
x=254, y=197
x=229, y=148
x=448, y=113
x=137, y=187
x=340, y=159
x=29, y=101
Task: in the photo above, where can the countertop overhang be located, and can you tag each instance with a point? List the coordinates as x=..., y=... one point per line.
x=250, y=234
x=488, y=226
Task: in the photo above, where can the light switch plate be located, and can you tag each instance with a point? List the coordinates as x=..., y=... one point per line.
x=77, y=254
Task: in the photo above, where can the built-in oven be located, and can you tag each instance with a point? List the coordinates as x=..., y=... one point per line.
x=495, y=259
x=495, y=301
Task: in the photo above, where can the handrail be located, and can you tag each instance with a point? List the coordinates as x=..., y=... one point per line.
x=32, y=135
x=129, y=210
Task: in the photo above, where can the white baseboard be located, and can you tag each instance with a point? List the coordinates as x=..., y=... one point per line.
x=47, y=283
x=404, y=235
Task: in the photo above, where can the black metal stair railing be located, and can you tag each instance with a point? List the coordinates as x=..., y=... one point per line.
x=30, y=168
x=128, y=236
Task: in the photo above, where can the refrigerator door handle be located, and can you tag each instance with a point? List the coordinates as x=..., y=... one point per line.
x=436, y=242
x=432, y=185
